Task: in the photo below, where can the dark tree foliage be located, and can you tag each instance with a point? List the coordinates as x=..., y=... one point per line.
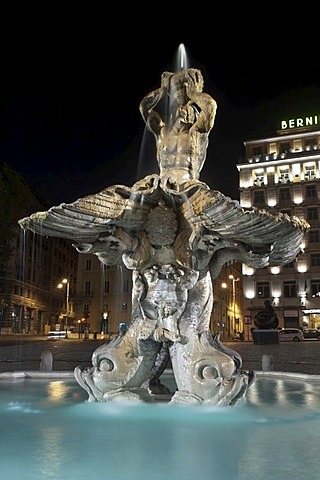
x=17, y=200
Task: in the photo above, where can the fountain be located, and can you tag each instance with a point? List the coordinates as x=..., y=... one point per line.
x=175, y=234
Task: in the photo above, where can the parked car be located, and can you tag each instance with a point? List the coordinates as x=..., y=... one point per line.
x=56, y=334
x=290, y=335
x=311, y=333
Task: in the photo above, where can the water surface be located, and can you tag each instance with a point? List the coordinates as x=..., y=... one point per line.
x=49, y=431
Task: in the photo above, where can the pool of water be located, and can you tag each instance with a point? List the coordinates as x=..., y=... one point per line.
x=49, y=431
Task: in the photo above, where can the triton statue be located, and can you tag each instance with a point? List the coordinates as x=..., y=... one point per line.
x=175, y=234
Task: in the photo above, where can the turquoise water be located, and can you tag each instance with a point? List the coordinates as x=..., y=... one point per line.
x=49, y=431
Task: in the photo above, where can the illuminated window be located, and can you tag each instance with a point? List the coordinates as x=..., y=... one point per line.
x=263, y=290
x=310, y=173
x=284, y=177
x=259, y=180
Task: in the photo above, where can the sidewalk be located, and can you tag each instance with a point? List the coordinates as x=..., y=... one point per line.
x=24, y=353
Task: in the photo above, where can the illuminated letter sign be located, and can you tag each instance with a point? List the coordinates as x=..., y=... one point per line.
x=300, y=122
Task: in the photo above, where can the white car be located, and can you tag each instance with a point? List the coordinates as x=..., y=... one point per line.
x=290, y=335
x=56, y=334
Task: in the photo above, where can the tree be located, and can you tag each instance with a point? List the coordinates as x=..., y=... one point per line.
x=17, y=200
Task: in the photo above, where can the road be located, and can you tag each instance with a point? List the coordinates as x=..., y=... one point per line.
x=23, y=353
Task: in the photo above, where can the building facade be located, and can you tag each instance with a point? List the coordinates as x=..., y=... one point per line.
x=46, y=285
x=103, y=295
x=103, y=298
x=31, y=266
x=281, y=173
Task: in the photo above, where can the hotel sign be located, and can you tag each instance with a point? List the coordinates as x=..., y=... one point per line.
x=299, y=122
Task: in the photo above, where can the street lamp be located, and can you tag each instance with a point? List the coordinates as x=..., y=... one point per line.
x=63, y=282
x=234, y=280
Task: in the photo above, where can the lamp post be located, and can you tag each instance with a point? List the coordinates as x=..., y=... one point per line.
x=234, y=280
x=65, y=282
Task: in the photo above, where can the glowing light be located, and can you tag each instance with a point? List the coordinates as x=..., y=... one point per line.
x=246, y=203
x=275, y=270
x=276, y=293
x=247, y=270
x=249, y=293
x=57, y=390
x=296, y=169
x=303, y=299
x=245, y=184
x=302, y=268
x=65, y=282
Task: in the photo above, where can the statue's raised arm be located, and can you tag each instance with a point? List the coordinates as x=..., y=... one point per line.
x=200, y=130
x=152, y=118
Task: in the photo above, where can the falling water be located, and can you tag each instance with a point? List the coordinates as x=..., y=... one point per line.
x=22, y=315
x=147, y=150
x=22, y=255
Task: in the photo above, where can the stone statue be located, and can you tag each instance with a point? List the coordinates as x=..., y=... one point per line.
x=267, y=317
x=182, y=141
x=175, y=234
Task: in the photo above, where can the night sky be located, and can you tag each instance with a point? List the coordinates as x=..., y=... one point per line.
x=72, y=84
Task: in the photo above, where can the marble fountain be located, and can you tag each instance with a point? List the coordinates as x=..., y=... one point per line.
x=212, y=419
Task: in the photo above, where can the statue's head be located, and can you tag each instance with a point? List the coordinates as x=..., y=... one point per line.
x=179, y=82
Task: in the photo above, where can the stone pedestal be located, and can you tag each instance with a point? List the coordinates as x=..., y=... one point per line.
x=267, y=336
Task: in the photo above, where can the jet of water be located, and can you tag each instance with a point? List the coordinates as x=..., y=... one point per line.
x=182, y=61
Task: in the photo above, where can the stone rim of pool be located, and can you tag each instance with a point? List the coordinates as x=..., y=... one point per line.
x=34, y=374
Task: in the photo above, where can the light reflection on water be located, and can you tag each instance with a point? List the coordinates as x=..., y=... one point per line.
x=49, y=431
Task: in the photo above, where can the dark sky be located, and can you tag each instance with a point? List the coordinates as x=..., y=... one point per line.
x=72, y=84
